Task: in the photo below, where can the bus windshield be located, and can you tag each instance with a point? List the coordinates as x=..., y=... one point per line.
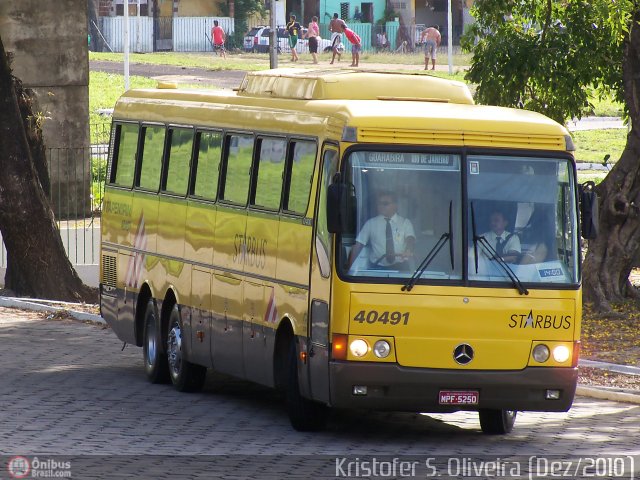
x=522, y=210
x=520, y=218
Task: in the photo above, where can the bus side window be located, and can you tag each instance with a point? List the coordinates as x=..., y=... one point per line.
x=270, y=166
x=239, y=154
x=124, y=154
x=151, y=161
x=177, y=170
x=206, y=168
x=303, y=157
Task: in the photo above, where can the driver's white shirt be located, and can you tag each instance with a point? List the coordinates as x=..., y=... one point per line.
x=374, y=235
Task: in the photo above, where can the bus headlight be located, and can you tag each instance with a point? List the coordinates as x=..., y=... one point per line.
x=561, y=354
x=359, y=348
x=541, y=353
x=381, y=349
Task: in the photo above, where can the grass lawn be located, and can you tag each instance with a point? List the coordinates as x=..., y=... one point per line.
x=593, y=145
x=104, y=90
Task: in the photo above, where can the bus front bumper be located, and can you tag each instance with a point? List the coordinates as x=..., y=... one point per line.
x=393, y=387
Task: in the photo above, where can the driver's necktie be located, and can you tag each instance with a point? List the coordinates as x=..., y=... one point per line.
x=390, y=252
x=499, y=246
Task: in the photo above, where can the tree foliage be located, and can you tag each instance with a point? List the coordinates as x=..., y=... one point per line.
x=551, y=56
x=547, y=56
x=242, y=11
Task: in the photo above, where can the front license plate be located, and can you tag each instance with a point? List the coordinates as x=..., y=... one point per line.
x=459, y=397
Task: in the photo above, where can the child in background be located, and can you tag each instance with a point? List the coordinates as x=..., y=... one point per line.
x=354, y=38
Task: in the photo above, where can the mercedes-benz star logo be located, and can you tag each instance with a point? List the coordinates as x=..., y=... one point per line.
x=463, y=354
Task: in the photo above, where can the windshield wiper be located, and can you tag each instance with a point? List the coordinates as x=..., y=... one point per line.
x=431, y=255
x=494, y=256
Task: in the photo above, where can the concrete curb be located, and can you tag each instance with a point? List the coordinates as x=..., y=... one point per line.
x=13, y=302
x=604, y=393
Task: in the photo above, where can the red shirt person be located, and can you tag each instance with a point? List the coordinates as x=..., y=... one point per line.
x=356, y=45
x=218, y=37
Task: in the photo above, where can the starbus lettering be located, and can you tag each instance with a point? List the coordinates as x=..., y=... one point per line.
x=250, y=250
x=529, y=320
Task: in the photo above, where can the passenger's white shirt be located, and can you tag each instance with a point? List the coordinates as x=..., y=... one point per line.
x=512, y=245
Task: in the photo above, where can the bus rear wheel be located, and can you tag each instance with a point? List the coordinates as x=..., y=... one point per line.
x=185, y=376
x=155, y=362
x=497, y=422
x=305, y=415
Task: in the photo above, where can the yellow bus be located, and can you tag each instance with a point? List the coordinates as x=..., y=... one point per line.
x=329, y=233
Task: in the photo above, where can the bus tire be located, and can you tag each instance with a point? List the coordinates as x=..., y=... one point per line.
x=305, y=415
x=155, y=361
x=185, y=376
x=497, y=422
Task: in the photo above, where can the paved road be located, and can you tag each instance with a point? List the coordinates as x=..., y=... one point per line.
x=67, y=389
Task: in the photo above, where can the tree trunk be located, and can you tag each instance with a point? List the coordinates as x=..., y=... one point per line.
x=38, y=263
x=612, y=255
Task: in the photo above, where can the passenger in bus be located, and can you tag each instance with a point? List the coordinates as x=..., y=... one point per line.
x=390, y=237
x=506, y=244
x=537, y=235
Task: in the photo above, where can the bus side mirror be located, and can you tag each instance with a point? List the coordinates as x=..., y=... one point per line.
x=341, y=208
x=588, y=210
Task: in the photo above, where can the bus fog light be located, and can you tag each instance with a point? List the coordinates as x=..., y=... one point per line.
x=561, y=354
x=359, y=389
x=359, y=348
x=381, y=349
x=541, y=353
x=552, y=394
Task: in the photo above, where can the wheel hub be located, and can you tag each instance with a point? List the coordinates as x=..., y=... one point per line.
x=174, y=350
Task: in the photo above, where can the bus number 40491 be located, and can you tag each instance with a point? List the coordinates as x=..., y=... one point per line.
x=373, y=316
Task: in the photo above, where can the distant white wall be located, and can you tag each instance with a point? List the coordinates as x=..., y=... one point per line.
x=189, y=34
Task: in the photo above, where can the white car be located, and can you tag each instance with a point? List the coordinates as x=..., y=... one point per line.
x=257, y=40
x=251, y=41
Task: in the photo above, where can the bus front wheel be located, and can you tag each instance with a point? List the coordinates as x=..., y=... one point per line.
x=155, y=362
x=497, y=422
x=305, y=415
x=185, y=376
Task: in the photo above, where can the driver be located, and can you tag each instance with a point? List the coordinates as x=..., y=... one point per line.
x=390, y=237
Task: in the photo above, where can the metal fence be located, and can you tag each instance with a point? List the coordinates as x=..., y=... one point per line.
x=77, y=187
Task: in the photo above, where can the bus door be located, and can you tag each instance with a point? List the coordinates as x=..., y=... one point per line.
x=318, y=347
x=260, y=245
x=230, y=254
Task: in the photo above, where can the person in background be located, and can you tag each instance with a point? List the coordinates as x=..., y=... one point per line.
x=356, y=46
x=357, y=16
x=218, y=38
x=336, y=27
x=431, y=38
x=294, y=30
x=382, y=42
x=313, y=34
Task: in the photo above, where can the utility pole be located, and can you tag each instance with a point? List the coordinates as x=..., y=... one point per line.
x=450, y=38
x=126, y=45
x=273, y=38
